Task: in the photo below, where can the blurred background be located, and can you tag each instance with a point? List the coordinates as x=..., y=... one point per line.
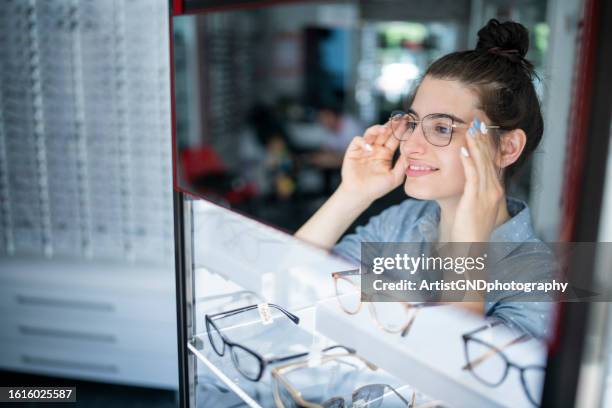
x=266, y=101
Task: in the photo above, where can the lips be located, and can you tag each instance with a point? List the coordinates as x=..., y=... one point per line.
x=416, y=169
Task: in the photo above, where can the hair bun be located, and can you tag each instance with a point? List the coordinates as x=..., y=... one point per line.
x=505, y=38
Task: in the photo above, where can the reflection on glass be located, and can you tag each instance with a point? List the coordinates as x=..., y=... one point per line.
x=268, y=99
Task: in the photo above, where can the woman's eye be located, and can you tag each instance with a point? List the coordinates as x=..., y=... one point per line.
x=411, y=125
x=443, y=129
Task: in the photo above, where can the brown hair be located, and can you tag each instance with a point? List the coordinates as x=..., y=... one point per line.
x=503, y=78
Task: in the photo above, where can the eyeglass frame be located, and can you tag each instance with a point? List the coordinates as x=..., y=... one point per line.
x=277, y=374
x=497, y=350
x=404, y=330
x=263, y=362
x=420, y=122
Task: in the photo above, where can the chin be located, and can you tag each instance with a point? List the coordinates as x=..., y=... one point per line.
x=420, y=192
x=427, y=191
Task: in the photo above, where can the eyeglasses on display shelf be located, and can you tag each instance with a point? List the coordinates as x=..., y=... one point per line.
x=490, y=365
x=385, y=314
x=286, y=395
x=437, y=128
x=247, y=361
x=236, y=298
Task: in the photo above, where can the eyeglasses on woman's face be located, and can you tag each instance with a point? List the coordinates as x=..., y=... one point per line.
x=438, y=128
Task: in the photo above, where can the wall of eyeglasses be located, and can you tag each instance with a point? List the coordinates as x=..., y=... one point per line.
x=86, y=164
x=225, y=40
x=86, y=181
x=279, y=323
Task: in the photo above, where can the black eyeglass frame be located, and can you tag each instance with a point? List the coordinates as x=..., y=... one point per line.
x=263, y=362
x=467, y=337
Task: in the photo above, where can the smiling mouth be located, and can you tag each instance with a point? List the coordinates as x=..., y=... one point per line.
x=422, y=168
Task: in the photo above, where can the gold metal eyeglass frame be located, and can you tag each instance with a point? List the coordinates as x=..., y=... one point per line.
x=400, y=115
x=279, y=380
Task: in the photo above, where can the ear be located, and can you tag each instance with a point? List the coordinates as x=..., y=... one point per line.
x=511, y=146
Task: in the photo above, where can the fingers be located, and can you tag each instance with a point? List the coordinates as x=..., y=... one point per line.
x=384, y=134
x=471, y=173
x=373, y=132
x=381, y=135
x=392, y=143
x=359, y=147
x=399, y=171
x=477, y=156
x=479, y=149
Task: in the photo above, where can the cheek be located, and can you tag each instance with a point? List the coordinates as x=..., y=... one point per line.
x=452, y=168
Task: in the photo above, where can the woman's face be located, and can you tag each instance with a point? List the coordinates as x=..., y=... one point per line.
x=447, y=180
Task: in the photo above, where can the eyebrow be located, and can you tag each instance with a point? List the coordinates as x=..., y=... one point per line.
x=448, y=115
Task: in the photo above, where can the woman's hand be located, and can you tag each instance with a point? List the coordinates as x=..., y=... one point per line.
x=483, y=193
x=367, y=170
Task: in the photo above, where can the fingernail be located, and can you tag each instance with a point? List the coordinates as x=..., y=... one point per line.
x=472, y=132
x=483, y=128
x=476, y=123
x=464, y=151
x=368, y=147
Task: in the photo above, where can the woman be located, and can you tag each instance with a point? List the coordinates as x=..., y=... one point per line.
x=456, y=173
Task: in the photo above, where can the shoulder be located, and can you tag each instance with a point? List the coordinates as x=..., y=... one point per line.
x=519, y=227
x=408, y=211
x=395, y=224
x=407, y=221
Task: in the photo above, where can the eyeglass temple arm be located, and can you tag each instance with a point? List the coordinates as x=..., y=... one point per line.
x=408, y=404
x=416, y=308
x=232, y=295
x=292, y=356
x=351, y=272
x=493, y=351
x=233, y=312
x=409, y=325
x=404, y=400
x=489, y=325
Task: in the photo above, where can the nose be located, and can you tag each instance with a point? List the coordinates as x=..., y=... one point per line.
x=415, y=143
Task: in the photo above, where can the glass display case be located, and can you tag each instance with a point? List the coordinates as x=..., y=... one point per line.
x=275, y=320
x=266, y=319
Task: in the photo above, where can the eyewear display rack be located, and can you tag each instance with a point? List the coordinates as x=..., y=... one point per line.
x=86, y=245
x=230, y=261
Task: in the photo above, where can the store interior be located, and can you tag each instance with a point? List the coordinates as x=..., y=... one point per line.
x=157, y=156
x=267, y=100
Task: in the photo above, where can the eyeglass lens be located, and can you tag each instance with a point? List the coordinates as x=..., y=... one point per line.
x=533, y=380
x=348, y=295
x=370, y=396
x=489, y=365
x=391, y=316
x=437, y=129
x=245, y=362
x=491, y=368
x=285, y=396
